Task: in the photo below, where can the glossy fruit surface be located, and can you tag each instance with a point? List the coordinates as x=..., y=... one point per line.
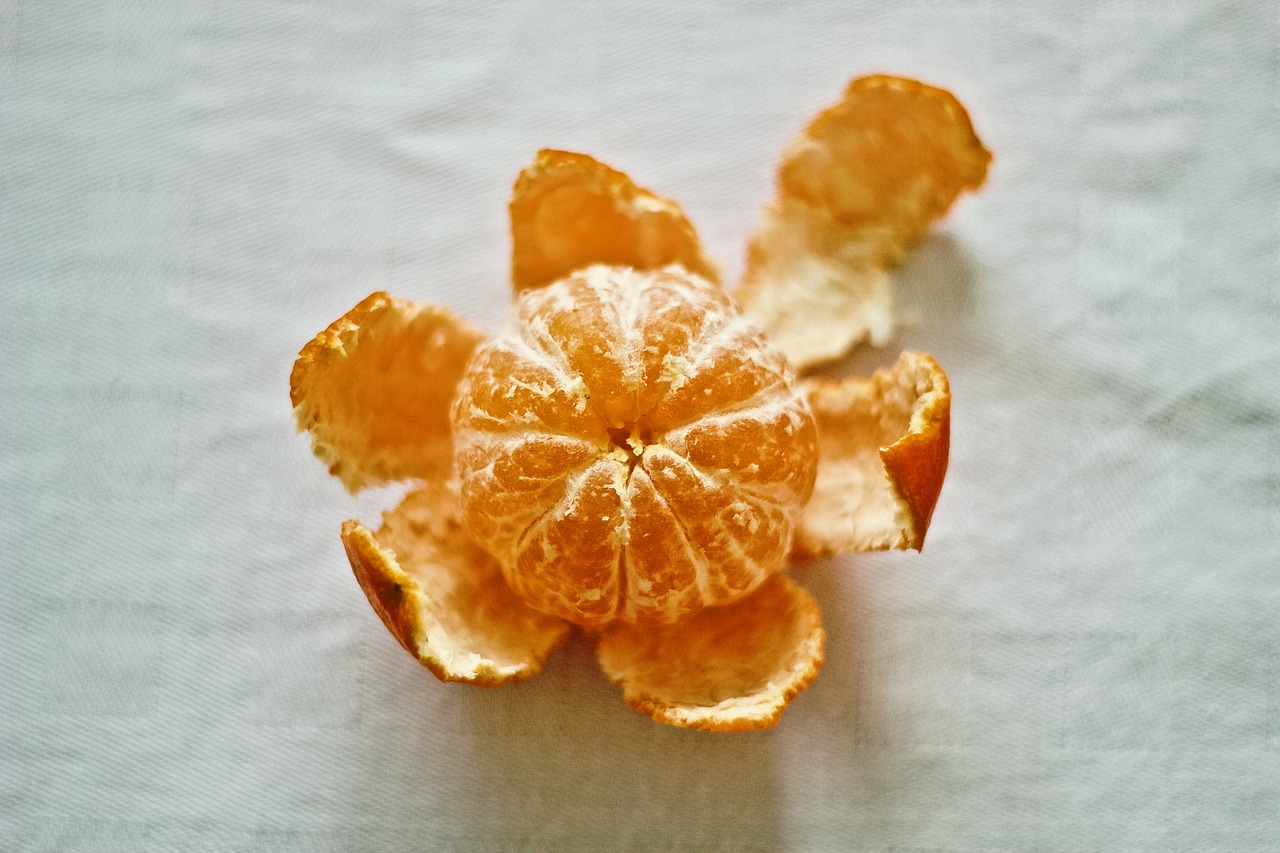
x=630, y=448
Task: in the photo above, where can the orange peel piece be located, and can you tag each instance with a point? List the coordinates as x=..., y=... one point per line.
x=882, y=447
x=860, y=186
x=375, y=389
x=729, y=668
x=569, y=211
x=443, y=598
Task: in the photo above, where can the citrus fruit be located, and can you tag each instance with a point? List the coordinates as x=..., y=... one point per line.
x=629, y=447
x=631, y=453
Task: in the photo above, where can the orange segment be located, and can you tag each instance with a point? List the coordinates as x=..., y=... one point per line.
x=860, y=186
x=443, y=598
x=665, y=572
x=730, y=668
x=739, y=538
x=714, y=376
x=883, y=445
x=569, y=211
x=512, y=481
x=567, y=563
x=647, y=455
x=375, y=389
x=516, y=387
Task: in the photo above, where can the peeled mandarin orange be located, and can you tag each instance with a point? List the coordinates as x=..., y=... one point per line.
x=629, y=447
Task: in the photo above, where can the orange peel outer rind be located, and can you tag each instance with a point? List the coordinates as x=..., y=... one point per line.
x=569, y=211
x=443, y=599
x=867, y=499
x=860, y=186
x=729, y=668
x=375, y=389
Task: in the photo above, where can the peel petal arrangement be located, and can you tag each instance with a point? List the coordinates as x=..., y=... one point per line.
x=638, y=454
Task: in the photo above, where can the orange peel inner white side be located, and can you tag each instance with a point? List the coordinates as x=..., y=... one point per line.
x=729, y=668
x=861, y=185
x=569, y=211
x=443, y=598
x=375, y=389
x=883, y=444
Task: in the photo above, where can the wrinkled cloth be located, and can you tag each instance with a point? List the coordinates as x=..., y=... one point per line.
x=1085, y=656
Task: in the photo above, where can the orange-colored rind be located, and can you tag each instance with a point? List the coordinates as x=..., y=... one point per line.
x=443, y=599
x=883, y=445
x=860, y=186
x=375, y=387
x=569, y=211
x=730, y=668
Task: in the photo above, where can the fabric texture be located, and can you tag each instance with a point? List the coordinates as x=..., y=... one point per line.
x=1086, y=656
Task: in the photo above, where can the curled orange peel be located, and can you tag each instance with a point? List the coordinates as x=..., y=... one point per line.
x=860, y=185
x=374, y=390
x=656, y=406
x=731, y=668
x=883, y=445
x=569, y=211
x=443, y=598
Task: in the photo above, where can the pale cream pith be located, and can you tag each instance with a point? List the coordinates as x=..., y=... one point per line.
x=443, y=598
x=858, y=504
x=859, y=186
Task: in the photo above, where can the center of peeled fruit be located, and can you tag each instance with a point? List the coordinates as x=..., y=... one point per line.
x=631, y=440
x=608, y=485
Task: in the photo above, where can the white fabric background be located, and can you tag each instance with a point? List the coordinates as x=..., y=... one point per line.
x=1084, y=658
